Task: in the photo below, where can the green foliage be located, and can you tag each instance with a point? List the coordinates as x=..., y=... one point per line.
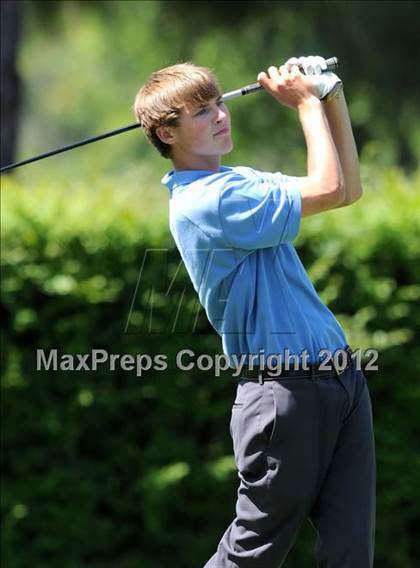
x=108, y=468
x=82, y=70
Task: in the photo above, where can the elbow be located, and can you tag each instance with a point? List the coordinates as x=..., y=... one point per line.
x=337, y=194
x=357, y=193
x=352, y=194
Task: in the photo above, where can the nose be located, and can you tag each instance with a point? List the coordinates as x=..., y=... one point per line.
x=221, y=114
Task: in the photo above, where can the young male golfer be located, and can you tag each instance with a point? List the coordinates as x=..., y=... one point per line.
x=303, y=438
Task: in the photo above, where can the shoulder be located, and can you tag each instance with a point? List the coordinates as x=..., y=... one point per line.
x=205, y=189
x=261, y=180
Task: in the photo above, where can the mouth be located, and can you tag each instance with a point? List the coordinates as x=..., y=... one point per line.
x=223, y=131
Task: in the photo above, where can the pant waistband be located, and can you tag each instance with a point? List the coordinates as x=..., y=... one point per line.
x=327, y=369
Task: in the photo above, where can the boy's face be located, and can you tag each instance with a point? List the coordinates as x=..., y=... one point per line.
x=201, y=137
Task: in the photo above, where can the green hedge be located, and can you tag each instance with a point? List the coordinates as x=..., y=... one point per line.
x=106, y=469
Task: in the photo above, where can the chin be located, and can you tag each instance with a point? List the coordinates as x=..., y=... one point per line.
x=229, y=148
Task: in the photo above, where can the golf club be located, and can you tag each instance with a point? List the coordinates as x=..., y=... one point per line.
x=332, y=63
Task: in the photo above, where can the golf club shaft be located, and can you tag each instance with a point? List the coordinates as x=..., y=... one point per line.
x=71, y=146
x=332, y=63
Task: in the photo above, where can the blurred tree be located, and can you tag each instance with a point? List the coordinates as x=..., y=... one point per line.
x=10, y=84
x=100, y=52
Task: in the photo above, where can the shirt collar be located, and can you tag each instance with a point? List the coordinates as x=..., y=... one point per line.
x=175, y=179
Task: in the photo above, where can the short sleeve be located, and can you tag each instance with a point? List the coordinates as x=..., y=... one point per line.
x=260, y=211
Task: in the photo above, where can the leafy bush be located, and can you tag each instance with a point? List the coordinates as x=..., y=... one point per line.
x=108, y=468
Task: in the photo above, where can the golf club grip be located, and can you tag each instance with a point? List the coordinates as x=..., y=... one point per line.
x=331, y=62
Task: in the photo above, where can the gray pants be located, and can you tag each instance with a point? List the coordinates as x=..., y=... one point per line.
x=304, y=448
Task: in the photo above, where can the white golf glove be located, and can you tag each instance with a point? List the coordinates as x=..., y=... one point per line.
x=326, y=83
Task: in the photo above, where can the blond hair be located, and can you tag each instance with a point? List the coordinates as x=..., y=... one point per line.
x=166, y=92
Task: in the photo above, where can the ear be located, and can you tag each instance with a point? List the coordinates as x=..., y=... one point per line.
x=165, y=134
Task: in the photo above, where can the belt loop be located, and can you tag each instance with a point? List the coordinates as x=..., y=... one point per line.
x=338, y=373
x=349, y=361
x=350, y=354
x=313, y=369
x=260, y=377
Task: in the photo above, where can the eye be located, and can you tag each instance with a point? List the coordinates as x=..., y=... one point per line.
x=202, y=111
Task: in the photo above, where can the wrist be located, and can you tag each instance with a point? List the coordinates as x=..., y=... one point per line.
x=309, y=104
x=334, y=94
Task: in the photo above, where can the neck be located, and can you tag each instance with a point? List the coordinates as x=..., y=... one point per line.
x=211, y=163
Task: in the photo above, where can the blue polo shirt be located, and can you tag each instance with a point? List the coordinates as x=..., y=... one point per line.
x=234, y=230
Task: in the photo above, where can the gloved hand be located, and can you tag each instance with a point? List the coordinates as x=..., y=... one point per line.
x=327, y=84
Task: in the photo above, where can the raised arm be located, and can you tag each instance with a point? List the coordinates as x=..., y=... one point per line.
x=340, y=126
x=323, y=187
